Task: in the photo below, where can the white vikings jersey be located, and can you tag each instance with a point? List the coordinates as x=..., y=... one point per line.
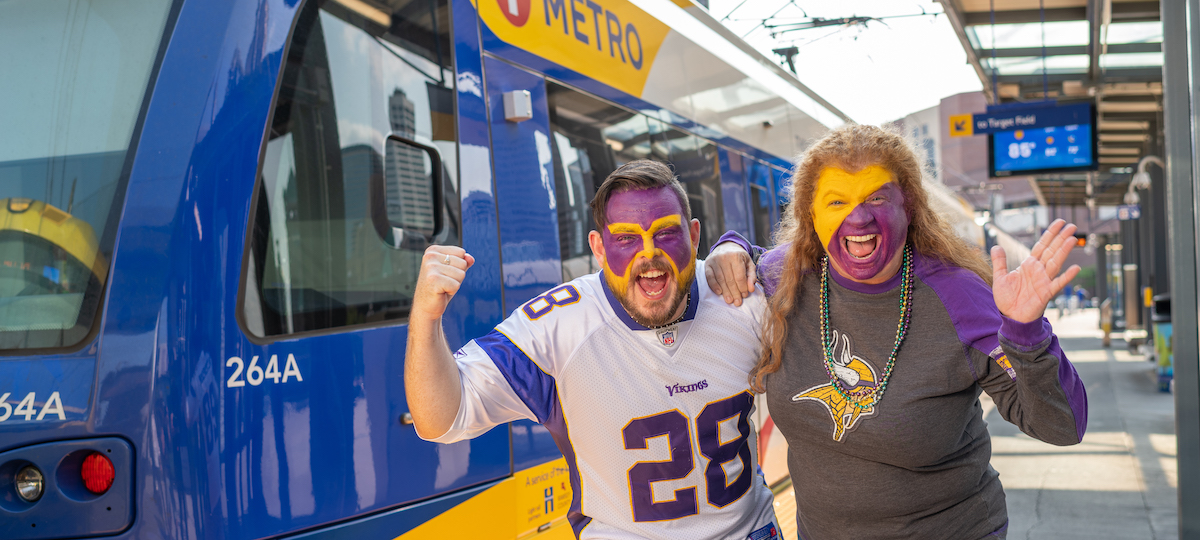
x=654, y=423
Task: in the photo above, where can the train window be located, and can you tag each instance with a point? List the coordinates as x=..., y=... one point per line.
x=783, y=180
x=70, y=111
x=359, y=172
x=696, y=165
x=762, y=200
x=575, y=185
x=629, y=139
x=592, y=138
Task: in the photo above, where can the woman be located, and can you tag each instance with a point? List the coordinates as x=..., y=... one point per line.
x=882, y=332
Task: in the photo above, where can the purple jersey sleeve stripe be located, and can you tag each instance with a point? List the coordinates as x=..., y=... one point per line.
x=539, y=391
x=1025, y=335
x=556, y=424
x=535, y=387
x=579, y=525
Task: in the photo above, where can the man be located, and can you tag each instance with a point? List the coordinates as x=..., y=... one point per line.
x=639, y=374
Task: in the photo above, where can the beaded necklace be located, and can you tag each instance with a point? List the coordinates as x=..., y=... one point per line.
x=686, y=300
x=868, y=397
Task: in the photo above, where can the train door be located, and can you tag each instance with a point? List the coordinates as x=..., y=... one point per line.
x=359, y=174
x=527, y=213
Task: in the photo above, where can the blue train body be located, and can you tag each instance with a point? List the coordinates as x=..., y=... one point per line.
x=220, y=431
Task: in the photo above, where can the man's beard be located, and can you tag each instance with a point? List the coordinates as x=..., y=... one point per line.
x=684, y=284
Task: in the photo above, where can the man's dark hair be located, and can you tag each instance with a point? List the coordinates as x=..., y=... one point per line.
x=638, y=175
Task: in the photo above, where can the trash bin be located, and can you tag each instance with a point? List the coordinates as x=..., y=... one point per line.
x=1160, y=317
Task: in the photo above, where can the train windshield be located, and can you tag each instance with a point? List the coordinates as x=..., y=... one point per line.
x=75, y=77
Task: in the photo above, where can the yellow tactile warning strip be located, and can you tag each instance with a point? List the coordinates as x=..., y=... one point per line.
x=785, y=509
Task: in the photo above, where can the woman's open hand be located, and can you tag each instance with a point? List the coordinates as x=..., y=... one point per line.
x=1022, y=294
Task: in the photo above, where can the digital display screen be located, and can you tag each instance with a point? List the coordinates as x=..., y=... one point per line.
x=1027, y=151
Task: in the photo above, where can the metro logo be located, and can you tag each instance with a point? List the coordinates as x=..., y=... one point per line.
x=612, y=24
x=611, y=41
x=516, y=11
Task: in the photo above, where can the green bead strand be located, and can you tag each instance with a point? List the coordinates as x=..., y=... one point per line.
x=867, y=398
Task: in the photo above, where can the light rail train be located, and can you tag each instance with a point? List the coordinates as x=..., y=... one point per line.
x=212, y=214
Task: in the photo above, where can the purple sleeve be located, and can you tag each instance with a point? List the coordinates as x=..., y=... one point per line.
x=1021, y=341
x=1020, y=365
x=770, y=262
x=770, y=266
x=733, y=236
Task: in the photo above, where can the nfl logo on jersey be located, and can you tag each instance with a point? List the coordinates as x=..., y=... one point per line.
x=667, y=337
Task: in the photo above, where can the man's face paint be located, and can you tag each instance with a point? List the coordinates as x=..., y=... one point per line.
x=860, y=219
x=649, y=259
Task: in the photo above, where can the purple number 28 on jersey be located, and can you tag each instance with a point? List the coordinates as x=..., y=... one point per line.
x=675, y=426
x=708, y=427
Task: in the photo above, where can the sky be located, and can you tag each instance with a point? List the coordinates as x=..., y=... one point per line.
x=875, y=73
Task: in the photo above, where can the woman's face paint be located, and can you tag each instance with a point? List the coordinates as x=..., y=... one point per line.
x=861, y=221
x=649, y=258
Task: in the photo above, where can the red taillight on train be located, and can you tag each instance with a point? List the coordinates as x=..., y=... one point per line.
x=97, y=473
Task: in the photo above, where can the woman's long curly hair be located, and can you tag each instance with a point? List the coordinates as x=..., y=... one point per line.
x=851, y=148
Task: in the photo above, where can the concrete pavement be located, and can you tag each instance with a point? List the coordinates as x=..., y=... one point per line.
x=1120, y=482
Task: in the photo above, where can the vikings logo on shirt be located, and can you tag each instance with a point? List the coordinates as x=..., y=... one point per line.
x=855, y=374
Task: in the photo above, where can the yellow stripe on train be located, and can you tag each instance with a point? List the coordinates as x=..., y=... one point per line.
x=531, y=505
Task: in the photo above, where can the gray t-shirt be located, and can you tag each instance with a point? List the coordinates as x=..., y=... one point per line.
x=916, y=465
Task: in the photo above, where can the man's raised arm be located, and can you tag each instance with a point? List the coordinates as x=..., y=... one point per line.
x=431, y=377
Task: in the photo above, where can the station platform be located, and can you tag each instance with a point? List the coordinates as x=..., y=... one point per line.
x=1118, y=484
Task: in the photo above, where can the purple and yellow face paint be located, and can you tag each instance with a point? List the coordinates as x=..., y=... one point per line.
x=860, y=219
x=647, y=225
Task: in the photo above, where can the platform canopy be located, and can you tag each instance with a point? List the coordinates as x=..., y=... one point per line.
x=1106, y=51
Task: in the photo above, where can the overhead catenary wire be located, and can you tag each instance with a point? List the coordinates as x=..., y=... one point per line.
x=739, y=6
x=784, y=26
x=821, y=22
x=772, y=16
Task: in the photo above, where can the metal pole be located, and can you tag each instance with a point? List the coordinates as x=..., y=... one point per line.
x=1101, y=286
x=1179, y=123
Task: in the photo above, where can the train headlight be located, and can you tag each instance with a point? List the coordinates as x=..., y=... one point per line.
x=30, y=483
